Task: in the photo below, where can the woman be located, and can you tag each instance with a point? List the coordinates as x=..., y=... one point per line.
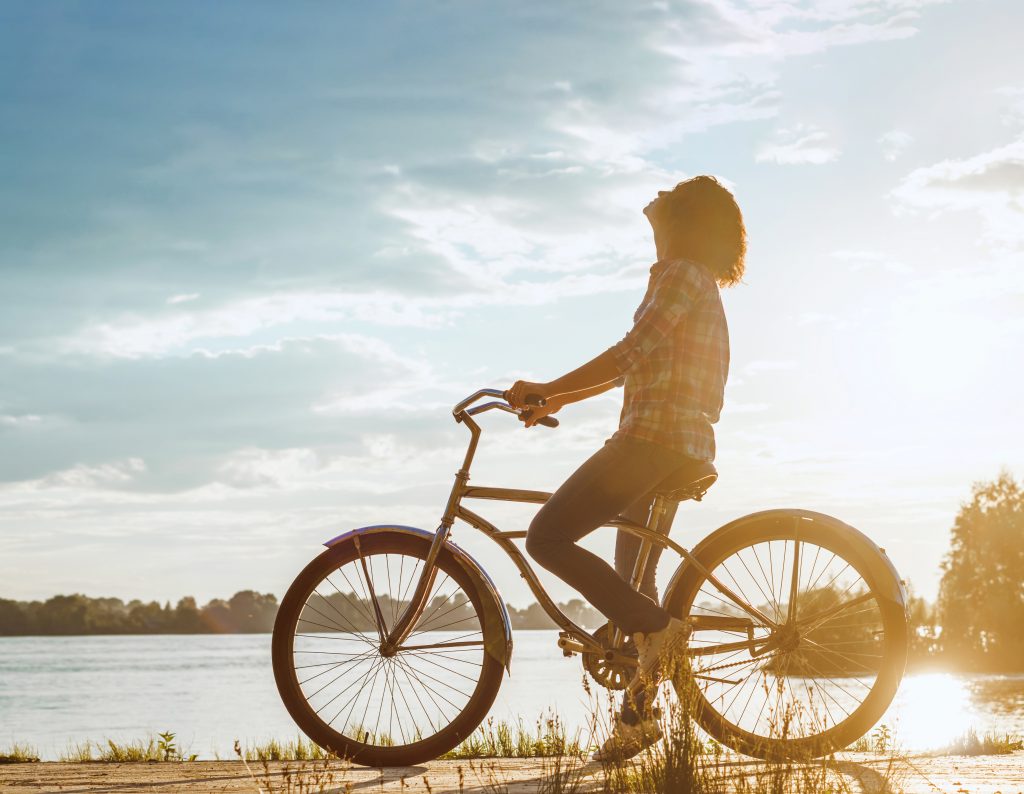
x=673, y=364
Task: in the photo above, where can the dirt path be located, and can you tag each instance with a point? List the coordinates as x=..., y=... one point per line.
x=949, y=775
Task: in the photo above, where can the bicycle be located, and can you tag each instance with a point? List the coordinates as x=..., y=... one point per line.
x=389, y=647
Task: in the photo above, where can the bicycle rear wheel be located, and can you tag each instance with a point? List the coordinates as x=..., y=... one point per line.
x=828, y=671
x=393, y=709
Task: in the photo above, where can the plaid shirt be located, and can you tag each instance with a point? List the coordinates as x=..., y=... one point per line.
x=675, y=361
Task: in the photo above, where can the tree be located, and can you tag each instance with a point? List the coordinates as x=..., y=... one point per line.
x=981, y=596
x=252, y=611
x=13, y=620
x=187, y=619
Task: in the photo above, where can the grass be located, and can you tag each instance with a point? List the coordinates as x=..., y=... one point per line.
x=502, y=740
x=298, y=749
x=312, y=776
x=161, y=747
x=880, y=740
x=970, y=743
x=19, y=754
x=684, y=761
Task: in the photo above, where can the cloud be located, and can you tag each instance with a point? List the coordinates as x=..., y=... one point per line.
x=136, y=336
x=1014, y=98
x=183, y=414
x=990, y=184
x=894, y=143
x=781, y=30
x=118, y=473
x=183, y=298
x=799, y=145
x=24, y=420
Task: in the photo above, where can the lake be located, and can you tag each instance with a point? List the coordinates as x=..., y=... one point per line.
x=213, y=689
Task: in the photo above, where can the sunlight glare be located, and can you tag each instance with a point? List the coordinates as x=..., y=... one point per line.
x=930, y=711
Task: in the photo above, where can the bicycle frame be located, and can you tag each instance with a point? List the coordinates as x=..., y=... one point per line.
x=651, y=535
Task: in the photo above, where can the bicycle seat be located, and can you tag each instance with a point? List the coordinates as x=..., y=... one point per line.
x=688, y=482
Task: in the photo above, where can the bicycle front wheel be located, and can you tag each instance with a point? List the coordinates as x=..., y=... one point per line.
x=829, y=667
x=385, y=709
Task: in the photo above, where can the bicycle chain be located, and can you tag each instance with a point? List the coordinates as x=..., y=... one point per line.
x=704, y=671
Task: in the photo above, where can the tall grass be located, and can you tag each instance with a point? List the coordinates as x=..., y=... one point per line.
x=161, y=747
x=685, y=761
x=312, y=776
x=17, y=753
x=297, y=749
x=970, y=743
x=494, y=739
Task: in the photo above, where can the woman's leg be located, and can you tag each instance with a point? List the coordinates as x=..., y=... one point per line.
x=610, y=481
x=627, y=547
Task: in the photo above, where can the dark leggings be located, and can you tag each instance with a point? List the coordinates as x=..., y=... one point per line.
x=621, y=478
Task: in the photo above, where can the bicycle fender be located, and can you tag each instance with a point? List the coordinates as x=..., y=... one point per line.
x=494, y=607
x=874, y=559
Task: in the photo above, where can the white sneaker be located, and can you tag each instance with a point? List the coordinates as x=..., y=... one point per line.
x=628, y=740
x=656, y=651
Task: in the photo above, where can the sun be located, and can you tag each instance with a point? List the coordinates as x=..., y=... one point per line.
x=930, y=711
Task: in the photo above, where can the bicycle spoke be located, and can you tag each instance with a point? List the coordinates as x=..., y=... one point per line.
x=429, y=690
x=327, y=601
x=753, y=578
x=357, y=604
x=376, y=664
x=418, y=672
x=437, y=587
x=334, y=666
x=449, y=658
x=822, y=573
x=820, y=618
x=416, y=693
x=448, y=645
x=426, y=658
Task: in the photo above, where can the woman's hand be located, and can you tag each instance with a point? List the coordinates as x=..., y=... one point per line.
x=521, y=389
x=534, y=413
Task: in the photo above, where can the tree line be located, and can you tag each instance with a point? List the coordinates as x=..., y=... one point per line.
x=245, y=612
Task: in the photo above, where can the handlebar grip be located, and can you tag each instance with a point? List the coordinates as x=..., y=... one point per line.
x=547, y=421
x=531, y=399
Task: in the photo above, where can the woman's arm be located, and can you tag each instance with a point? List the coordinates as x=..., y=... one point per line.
x=555, y=402
x=595, y=373
x=583, y=394
x=594, y=377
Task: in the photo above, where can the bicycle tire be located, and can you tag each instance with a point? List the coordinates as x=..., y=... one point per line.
x=321, y=732
x=853, y=548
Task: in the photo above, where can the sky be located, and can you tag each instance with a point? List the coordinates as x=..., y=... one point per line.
x=251, y=257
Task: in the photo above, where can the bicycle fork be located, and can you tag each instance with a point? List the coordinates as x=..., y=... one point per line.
x=421, y=595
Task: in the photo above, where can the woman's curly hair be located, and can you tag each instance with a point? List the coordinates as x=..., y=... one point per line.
x=704, y=223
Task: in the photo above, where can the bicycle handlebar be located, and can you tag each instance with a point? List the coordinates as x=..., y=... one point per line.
x=531, y=399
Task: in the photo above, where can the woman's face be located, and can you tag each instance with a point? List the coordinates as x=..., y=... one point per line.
x=648, y=209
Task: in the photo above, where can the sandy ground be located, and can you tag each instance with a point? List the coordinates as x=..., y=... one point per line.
x=952, y=775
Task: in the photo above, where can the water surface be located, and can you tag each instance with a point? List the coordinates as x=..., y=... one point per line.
x=213, y=689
